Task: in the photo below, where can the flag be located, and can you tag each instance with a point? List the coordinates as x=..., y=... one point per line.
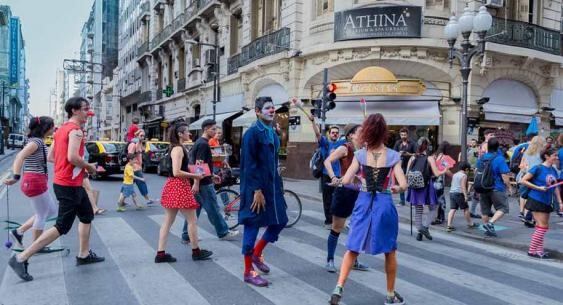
x=533, y=127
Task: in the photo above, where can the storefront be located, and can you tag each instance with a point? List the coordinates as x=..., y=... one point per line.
x=556, y=123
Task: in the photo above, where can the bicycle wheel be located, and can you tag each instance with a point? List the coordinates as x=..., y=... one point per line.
x=230, y=200
x=294, y=208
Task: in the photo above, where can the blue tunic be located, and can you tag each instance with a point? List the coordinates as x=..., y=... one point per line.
x=259, y=170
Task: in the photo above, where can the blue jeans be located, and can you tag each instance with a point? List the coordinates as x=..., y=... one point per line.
x=207, y=199
x=141, y=184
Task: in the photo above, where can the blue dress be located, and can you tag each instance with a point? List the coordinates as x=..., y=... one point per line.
x=259, y=170
x=374, y=224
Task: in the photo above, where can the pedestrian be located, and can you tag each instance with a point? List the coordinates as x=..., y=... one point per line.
x=33, y=159
x=67, y=153
x=374, y=226
x=425, y=194
x=531, y=157
x=497, y=197
x=136, y=148
x=560, y=167
x=344, y=198
x=407, y=149
x=127, y=188
x=178, y=195
x=261, y=191
x=539, y=179
x=439, y=182
x=132, y=130
x=93, y=195
x=472, y=156
x=549, y=141
x=207, y=198
x=327, y=146
x=459, y=196
x=489, y=133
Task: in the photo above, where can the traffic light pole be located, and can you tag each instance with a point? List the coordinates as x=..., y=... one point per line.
x=323, y=99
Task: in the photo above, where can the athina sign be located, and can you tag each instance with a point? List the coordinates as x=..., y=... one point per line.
x=378, y=22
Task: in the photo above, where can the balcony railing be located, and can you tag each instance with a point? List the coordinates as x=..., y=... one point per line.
x=203, y=3
x=266, y=45
x=161, y=36
x=158, y=94
x=181, y=85
x=145, y=8
x=525, y=35
x=190, y=11
x=143, y=48
x=145, y=97
x=178, y=22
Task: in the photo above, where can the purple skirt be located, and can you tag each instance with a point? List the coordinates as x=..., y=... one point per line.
x=424, y=196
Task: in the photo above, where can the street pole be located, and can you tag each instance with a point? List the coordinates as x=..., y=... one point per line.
x=216, y=76
x=2, y=119
x=324, y=101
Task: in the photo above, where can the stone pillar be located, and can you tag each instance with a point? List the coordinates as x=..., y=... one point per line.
x=164, y=61
x=187, y=54
x=175, y=65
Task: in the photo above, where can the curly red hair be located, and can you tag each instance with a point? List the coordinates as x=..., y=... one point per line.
x=374, y=131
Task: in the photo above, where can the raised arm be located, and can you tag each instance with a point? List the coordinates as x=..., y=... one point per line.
x=434, y=168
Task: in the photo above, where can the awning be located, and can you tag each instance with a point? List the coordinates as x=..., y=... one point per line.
x=219, y=118
x=402, y=113
x=276, y=92
x=557, y=103
x=245, y=120
x=509, y=101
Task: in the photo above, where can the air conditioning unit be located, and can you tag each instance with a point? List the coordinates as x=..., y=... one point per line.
x=210, y=57
x=495, y=3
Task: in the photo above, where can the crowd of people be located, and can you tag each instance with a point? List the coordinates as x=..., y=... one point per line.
x=359, y=178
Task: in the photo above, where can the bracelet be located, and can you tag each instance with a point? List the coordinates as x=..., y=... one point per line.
x=16, y=177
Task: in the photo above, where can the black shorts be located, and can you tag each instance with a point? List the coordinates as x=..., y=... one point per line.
x=537, y=206
x=73, y=202
x=457, y=201
x=343, y=201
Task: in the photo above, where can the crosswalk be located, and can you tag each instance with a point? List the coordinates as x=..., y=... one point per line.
x=447, y=270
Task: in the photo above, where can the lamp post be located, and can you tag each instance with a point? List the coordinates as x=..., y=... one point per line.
x=467, y=24
x=216, y=85
x=1, y=121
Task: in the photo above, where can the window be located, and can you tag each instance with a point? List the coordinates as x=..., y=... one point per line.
x=438, y=4
x=134, y=107
x=128, y=109
x=266, y=17
x=324, y=7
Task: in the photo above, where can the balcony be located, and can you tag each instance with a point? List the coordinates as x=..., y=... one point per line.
x=181, y=85
x=178, y=23
x=161, y=36
x=158, y=94
x=142, y=50
x=206, y=7
x=525, y=35
x=266, y=45
x=145, y=98
x=190, y=12
x=159, y=5
x=145, y=13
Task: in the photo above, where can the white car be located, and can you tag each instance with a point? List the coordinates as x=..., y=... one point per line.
x=15, y=140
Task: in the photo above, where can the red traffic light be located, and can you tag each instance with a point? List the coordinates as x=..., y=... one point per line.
x=331, y=87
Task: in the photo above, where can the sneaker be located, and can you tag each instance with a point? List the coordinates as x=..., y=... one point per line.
x=255, y=279
x=397, y=299
x=259, y=263
x=540, y=255
x=359, y=266
x=330, y=266
x=559, y=213
x=426, y=233
x=490, y=230
x=336, y=296
x=473, y=226
x=475, y=216
x=328, y=226
x=522, y=217
x=150, y=202
x=230, y=235
x=203, y=255
x=90, y=259
x=450, y=229
x=121, y=209
x=419, y=236
x=18, y=238
x=20, y=268
x=166, y=258
x=529, y=223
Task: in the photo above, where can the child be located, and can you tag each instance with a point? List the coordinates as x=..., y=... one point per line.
x=127, y=189
x=459, y=196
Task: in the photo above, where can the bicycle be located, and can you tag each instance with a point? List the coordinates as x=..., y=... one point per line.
x=231, y=202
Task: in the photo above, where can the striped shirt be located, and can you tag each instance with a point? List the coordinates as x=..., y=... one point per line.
x=37, y=161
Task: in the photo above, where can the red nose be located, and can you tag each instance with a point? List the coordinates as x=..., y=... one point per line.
x=91, y=113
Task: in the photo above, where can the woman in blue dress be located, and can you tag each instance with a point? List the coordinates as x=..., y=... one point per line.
x=374, y=225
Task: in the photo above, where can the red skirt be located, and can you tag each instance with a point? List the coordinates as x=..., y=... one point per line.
x=177, y=194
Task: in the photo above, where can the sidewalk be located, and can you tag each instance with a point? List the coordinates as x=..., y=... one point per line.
x=8, y=153
x=511, y=231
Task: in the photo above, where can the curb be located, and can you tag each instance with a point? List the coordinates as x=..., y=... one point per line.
x=558, y=255
x=6, y=155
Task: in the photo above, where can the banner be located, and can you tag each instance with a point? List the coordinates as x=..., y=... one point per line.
x=14, y=50
x=378, y=22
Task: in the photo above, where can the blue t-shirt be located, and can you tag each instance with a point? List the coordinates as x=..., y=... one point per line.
x=543, y=176
x=519, y=149
x=328, y=147
x=499, y=168
x=560, y=155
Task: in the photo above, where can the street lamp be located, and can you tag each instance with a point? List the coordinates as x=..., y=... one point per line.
x=216, y=85
x=468, y=23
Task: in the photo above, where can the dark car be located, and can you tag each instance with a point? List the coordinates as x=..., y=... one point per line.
x=108, y=155
x=162, y=168
x=153, y=153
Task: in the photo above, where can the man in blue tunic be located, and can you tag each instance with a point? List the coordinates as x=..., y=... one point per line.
x=262, y=203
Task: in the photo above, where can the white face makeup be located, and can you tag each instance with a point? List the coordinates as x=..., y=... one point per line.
x=268, y=112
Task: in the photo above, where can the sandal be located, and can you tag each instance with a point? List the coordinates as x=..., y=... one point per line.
x=99, y=212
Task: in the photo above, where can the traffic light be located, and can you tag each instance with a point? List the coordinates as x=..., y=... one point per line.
x=330, y=96
x=318, y=106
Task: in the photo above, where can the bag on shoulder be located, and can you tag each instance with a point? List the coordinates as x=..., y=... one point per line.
x=418, y=174
x=516, y=160
x=316, y=164
x=484, y=180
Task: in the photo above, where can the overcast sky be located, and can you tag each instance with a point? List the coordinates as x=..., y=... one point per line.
x=51, y=30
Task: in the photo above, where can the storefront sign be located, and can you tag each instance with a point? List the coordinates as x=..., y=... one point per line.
x=378, y=81
x=164, y=124
x=505, y=137
x=378, y=22
x=294, y=121
x=14, y=50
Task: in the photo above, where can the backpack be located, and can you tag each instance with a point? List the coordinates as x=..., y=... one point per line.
x=484, y=180
x=418, y=174
x=516, y=159
x=316, y=164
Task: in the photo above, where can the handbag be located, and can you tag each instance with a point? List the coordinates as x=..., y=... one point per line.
x=200, y=168
x=34, y=184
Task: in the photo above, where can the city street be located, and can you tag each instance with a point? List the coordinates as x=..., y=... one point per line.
x=448, y=270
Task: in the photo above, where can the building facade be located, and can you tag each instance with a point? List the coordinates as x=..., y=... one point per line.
x=280, y=48
x=14, y=85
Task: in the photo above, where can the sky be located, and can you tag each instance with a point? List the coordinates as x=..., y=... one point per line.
x=51, y=30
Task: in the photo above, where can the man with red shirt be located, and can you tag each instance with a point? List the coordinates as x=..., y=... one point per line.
x=132, y=129
x=67, y=152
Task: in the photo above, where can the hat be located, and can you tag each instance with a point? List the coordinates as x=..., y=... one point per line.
x=350, y=128
x=260, y=101
x=207, y=123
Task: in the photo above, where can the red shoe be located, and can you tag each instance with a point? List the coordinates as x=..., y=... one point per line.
x=255, y=279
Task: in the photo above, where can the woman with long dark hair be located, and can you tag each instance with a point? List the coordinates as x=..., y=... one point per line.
x=374, y=225
x=33, y=159
x=178, y=195
x=425, y=195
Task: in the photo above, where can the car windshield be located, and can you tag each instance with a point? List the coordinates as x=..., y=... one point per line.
x=113, y=147
x=158, y=146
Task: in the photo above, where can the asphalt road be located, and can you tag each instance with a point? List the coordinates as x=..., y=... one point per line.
x=448, y=270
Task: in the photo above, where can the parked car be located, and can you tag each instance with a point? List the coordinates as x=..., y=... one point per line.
x=154, y=151
x=15, y=140
x=108, y=155
x=162, y=168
